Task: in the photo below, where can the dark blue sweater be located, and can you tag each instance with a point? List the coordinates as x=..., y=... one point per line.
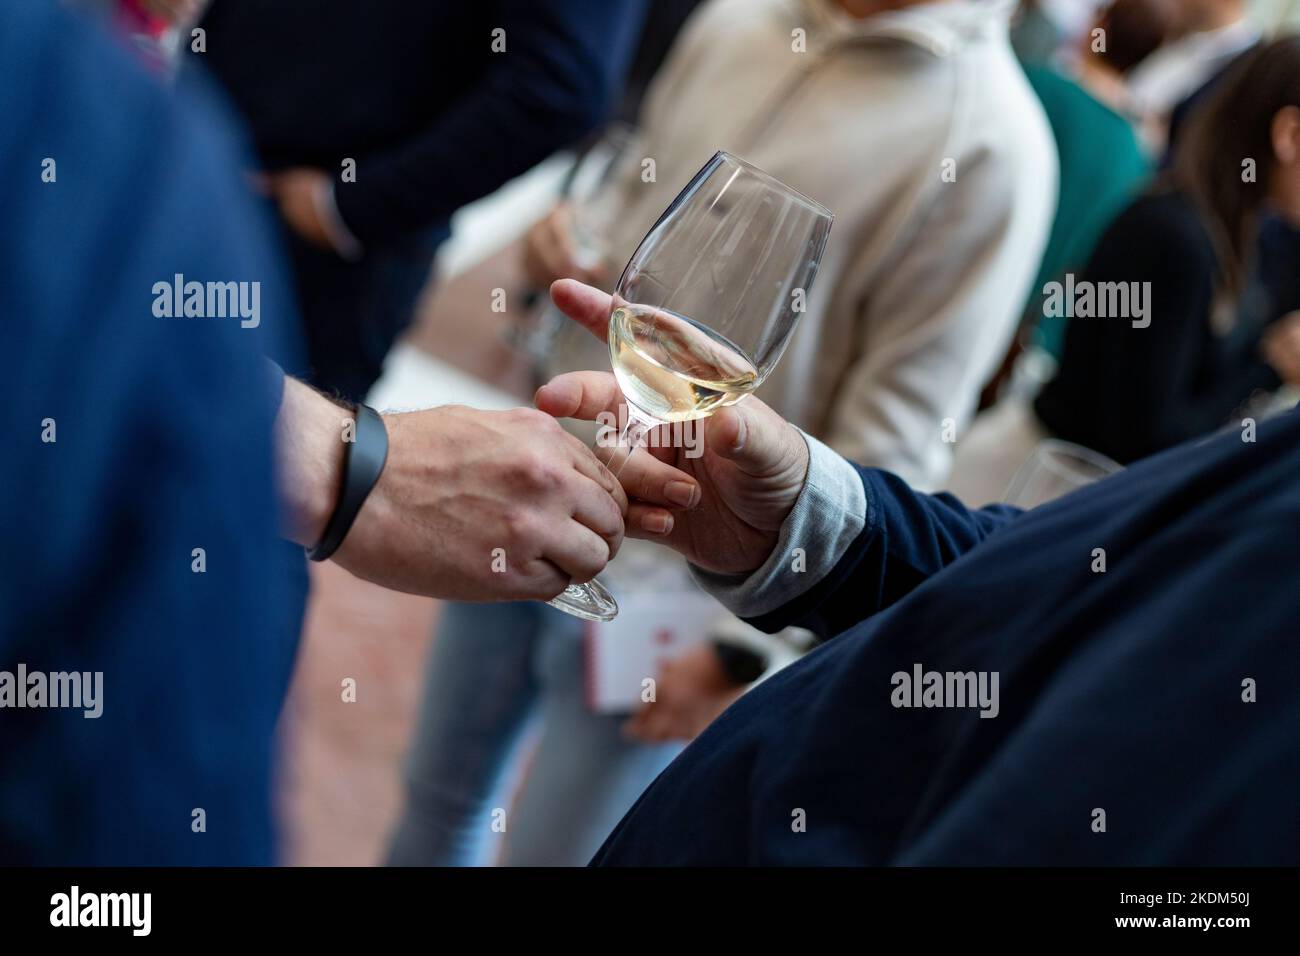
x=162, y=445
x=1120, y=691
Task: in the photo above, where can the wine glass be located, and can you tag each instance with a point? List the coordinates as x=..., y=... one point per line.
x=588, y=192
x=1057, y=468
x=704, y=309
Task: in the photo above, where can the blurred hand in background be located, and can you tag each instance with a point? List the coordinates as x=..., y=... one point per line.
x=550, y=254
x=690, y=692
x=1281, y=348
x=299, y=192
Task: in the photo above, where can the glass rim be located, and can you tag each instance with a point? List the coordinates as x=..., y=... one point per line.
x=767, y=177
x=1065, y=458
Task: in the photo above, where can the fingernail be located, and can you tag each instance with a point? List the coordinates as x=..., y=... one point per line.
x=657, y=522
x=741, y=429
x=681, y=493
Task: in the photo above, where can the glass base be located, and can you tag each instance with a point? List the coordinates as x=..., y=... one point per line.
x=590, y=601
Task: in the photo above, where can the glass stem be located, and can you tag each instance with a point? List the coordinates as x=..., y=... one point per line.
x=630, y=438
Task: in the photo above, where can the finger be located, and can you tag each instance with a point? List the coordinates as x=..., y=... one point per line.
x=596, y=510
x=656, y=482
x=593, y=396
x=589, y=307
x=751, y=435
x=540, y=580
x=577, y=551
x=648, y=522
x=586, y=463
x=582, y=395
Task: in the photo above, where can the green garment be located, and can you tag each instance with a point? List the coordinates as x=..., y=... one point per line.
x=1102, y=168
x=1034, y=36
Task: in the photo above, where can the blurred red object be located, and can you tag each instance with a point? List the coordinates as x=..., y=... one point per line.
x=133, y=17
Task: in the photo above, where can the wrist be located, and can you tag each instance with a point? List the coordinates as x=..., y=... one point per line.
x=366, y=443
x=792, y=477
x=829, y=511
x=309, y=439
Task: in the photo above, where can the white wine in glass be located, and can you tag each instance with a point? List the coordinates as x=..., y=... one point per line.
x=705, y=308
x=672, y=368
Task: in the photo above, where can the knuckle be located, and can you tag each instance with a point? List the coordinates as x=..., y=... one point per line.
x=519, y=525
x=536, y=425
x=615, y=518
x=644, y=486
x=544, y=424
x=533, y=470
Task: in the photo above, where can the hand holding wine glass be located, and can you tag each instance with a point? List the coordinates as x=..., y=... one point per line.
x=748, y=478
x=701, y=315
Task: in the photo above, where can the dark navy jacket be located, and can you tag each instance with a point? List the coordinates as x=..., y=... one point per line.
x=1120, y=691
x=417, y=94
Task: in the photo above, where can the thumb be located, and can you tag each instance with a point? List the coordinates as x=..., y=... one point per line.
x=752, y=436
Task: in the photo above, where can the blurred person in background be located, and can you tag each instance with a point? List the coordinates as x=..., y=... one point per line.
x=1043, y=32
x=913, y=123
x=1214, y=33
x=1279, y=242
x=1202, y=334
x=375, y=122
x=1103, y=163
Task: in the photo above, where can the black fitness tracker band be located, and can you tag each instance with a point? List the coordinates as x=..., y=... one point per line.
x=363, y=462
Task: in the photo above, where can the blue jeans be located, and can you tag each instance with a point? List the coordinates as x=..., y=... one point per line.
x=495, y=671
